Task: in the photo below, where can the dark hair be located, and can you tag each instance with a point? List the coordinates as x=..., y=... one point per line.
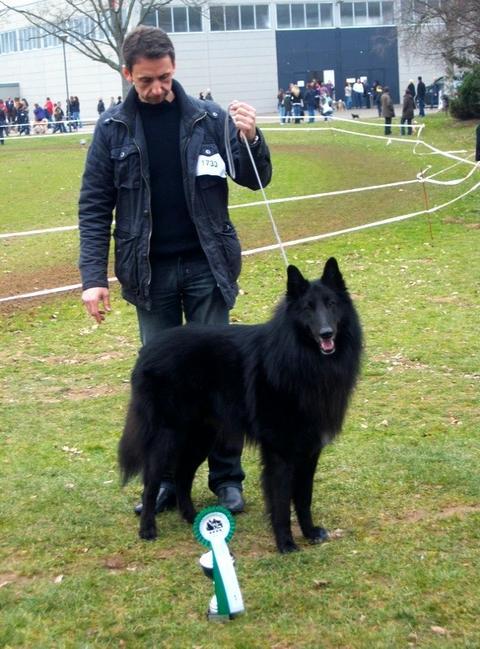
x=146, y=42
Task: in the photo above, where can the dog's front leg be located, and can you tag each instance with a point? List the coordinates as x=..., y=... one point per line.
x=277, y=487
x=302, y=498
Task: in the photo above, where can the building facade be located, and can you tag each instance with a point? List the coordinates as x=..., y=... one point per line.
x=240, y=51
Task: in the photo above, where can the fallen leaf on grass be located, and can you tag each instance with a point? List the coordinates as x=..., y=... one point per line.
x=58, y=580
x=320, y=583
x=336, y=534
x=439, y=630
x=114, y=563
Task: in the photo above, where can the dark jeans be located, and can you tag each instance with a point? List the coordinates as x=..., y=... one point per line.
x=421, y=107
x=184, y=290
x=388, y=128
x=404, y=120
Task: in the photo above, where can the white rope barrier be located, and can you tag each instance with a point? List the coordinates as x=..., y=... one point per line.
x=253, y=251
x=421, y=178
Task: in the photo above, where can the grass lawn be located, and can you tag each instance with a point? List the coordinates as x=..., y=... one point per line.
x=399, y=489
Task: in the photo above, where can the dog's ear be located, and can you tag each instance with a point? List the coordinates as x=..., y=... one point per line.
x=296, y=284
x=332, y=277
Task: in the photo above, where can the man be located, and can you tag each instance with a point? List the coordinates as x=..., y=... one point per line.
x=159, y=159
x=388, y=110
x=420, y=97
x=408, y=107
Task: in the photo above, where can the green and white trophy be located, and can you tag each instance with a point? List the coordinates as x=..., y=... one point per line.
x=214, y=527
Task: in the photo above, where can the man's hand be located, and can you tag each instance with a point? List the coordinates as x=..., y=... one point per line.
x=243, y=116
x=92, y=298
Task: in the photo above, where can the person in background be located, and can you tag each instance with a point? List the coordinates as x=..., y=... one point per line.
x=377, y=91
x=48, y=108
x=357, y=94
x=388, y=110
x=297, y=104
x=3, y=121
x=158, y=160
x=100, y=107
x=21, y=117
x=348, y=95
x=477, y=149
x=309, y=101
x=287, y=102
x=408, y=110
x=420, y=97
x=59, y=119
x=281, y=105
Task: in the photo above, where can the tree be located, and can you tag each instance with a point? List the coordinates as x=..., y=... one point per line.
x=95, y=28
x=449, y=28
x=467, y=103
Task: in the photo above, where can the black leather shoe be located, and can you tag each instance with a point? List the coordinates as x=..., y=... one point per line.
x=166, y=499
x=231, y=498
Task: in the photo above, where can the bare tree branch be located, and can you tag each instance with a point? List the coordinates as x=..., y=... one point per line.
x=449, y=28
x=101, y=34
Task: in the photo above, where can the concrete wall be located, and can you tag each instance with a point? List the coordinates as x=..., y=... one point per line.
x=234, y=65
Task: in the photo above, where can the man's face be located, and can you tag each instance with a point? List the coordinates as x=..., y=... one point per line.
x=152, y=79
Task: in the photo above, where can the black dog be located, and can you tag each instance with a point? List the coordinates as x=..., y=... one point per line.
x=286, y=383
x=355, y=116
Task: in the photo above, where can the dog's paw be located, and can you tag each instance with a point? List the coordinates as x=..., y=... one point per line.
x=148, y=532
x=318, y=535
x=288, y=546
x=189, y=515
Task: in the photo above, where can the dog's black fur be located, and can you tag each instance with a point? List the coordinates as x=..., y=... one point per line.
x=285, y=383
x=355, y=116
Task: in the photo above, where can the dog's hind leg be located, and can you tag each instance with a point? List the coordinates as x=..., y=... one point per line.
x=194, y=452
x=302, y=498
x=277, y=479
x=160, y=456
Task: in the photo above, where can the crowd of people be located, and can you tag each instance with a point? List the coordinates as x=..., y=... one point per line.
x=301, y=104
x=17, y=117
x=295, y=103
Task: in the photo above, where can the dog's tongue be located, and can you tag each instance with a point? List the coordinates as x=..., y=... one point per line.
x=327, y=344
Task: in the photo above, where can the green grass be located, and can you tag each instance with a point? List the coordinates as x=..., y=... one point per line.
x=400, y=485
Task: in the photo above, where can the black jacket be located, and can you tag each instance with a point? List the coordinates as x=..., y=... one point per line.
x=117, y=176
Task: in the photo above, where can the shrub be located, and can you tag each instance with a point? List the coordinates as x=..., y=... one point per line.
x=467, y=103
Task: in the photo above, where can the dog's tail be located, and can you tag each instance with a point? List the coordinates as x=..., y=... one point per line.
x=139, y=428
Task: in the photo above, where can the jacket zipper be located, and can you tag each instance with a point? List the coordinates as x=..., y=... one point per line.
x=185, y=165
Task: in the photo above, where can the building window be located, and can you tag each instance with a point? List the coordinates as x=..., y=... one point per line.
x=8, y=42
x=374, y=13
x=175, y=19
x=239, y=17
x=388, y=13
x=309, y=15
x=366, y=13
x=29, y=38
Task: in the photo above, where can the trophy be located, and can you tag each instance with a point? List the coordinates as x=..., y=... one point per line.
x=214, y=527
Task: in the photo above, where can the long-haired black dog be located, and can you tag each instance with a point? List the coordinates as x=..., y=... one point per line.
x=285, y=383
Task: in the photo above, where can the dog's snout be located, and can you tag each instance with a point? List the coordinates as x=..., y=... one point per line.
x=326, y=333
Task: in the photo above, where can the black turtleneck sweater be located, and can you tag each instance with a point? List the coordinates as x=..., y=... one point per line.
x=174, y=233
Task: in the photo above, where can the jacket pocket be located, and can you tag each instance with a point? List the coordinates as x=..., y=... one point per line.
x=126, y=269
x=231, y=249
x=126, y=166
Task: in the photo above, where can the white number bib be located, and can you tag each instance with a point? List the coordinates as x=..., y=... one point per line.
x=211, y=165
